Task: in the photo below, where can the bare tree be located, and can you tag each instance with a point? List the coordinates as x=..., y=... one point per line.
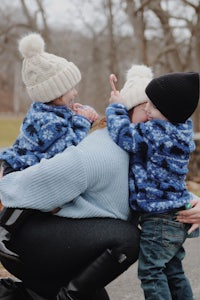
x=109, y=36
x=16, y=21
x=167, y=35
x=136, y=18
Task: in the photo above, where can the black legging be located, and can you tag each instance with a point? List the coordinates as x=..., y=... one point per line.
x=53, y=250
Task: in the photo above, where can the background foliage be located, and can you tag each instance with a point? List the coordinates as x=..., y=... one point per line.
x=101, y=37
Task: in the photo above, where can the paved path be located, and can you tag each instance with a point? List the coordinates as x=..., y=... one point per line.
x=127, y=286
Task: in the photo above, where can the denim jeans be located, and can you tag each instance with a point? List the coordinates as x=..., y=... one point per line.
x=160, y=259
x=178, y=283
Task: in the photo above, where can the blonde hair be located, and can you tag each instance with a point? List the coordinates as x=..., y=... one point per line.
x=99, y=124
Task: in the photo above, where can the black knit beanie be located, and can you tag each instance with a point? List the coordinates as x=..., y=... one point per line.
x=175, y=95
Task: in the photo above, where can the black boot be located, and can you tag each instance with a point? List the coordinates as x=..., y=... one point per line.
x=97, y=275
x=69, y=295
x=15, y=290
x=4, y=251
x=8, y=216
x=10, y=220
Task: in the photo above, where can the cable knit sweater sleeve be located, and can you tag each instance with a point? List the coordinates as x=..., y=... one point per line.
x=40, y=181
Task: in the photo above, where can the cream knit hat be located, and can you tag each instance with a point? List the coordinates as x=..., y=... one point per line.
x=137, y=79
x=46, y=76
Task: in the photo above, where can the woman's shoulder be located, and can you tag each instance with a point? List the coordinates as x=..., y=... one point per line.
x=99, y=136
x=99, y=145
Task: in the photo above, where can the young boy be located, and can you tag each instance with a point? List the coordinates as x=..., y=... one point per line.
x=159, y=154
x=53, y=121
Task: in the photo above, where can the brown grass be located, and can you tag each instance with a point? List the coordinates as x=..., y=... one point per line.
x=9, y=130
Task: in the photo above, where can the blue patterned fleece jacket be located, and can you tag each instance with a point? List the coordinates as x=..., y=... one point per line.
x=46, y=131
x=159, y=155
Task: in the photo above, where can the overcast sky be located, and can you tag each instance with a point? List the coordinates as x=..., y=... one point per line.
x=62, y=12
x=58, y=10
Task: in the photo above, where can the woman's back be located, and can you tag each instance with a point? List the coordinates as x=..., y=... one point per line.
x=92, y=182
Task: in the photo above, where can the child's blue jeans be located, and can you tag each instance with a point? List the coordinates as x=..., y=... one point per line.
x=160, y=260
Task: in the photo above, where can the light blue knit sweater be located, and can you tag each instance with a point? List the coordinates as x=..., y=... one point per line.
x=88, y=180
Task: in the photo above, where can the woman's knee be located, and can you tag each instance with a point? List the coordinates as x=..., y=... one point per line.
x=128, y=244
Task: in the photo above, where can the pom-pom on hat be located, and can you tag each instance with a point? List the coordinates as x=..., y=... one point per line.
x=46, y=76
x=175, y=95
x=137, y=79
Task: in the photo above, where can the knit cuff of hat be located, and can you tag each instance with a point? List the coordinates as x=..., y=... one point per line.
x=55, y=86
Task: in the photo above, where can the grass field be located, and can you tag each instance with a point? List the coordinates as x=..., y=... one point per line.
x=9, y=130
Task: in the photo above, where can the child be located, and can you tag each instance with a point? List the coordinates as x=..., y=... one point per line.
x=53, y=121
x=160, y=150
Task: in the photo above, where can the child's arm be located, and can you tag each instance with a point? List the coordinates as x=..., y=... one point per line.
x=127, y=135
x=45, y=133
x=51, y=129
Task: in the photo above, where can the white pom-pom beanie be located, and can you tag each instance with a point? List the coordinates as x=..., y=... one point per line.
x=46, y=76
x=137, y=79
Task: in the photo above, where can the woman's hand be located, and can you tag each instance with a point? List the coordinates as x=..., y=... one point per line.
x=191, y=216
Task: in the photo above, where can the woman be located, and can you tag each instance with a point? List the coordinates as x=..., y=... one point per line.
x=53, y=249
x=88, y=242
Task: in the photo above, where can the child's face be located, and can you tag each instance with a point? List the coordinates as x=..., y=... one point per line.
x=153, y=113
x=139, y=114
x=68, y=98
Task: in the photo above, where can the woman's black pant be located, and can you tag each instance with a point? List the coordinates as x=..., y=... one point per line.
x=53, y=250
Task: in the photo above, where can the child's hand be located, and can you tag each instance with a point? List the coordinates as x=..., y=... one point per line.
x=115, y=97
x=85, y=111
